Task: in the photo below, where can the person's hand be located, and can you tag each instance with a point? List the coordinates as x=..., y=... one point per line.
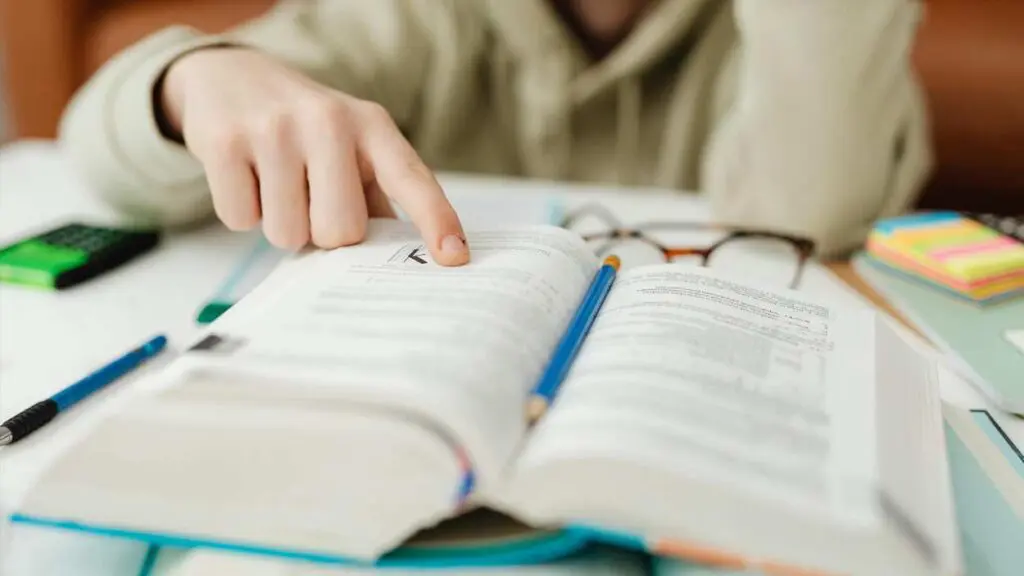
x=311, y=163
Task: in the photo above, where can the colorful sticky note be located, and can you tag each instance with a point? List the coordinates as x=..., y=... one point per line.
x=952, y=251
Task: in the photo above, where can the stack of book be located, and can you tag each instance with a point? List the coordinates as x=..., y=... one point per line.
x=952, y=252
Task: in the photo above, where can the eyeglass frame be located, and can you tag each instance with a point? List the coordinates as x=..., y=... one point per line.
x=804, y=246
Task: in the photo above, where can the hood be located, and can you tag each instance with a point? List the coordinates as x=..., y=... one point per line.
x=554, y=75
x=533, y=30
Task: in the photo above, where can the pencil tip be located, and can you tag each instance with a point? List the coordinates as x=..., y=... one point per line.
x=536, y=408
x=5, y=437
x=156, y=344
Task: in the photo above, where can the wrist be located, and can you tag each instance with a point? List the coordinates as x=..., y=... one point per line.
x=169, y=92
x=168, y=97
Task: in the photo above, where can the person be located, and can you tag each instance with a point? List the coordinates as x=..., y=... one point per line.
x=795, y=115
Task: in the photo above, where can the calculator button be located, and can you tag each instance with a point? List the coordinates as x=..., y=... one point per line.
x=90, y=245
x=83, y=238
x=1012, y=226
x=59, y=235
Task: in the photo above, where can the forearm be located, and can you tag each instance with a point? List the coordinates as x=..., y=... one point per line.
x=825, y=131
x=109, y=134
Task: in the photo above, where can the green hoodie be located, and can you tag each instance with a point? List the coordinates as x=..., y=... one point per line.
x=797, y=115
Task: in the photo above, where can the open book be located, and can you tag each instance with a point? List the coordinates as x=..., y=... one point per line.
x=360, y=396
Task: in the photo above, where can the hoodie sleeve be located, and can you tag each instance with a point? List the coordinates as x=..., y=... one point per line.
x=821, y=125
x=375, y=50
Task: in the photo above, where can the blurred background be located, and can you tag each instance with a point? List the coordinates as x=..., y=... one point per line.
x=969, y=54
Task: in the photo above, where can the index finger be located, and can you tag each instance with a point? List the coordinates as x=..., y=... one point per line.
x=404, y=177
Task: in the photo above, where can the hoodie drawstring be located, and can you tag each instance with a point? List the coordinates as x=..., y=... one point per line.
x=629, y=93
x=553, y=126
x=501, y=76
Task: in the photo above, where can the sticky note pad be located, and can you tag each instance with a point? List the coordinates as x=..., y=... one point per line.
x=953, y=252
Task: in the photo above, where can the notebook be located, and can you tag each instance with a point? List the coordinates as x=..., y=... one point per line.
x=358, y=397
x=985, y=343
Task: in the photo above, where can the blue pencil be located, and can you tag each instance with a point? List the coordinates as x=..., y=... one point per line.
x=546, y=390
x=39, y=414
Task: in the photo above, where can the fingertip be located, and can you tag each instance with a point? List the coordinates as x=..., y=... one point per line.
x=452, y=251
x=453, y=261
x=239, y=214
x=285, y=238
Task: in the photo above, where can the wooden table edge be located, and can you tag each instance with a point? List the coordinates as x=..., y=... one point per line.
x=844, y=270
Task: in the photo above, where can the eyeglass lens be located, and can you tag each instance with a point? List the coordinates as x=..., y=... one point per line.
x=762, y=260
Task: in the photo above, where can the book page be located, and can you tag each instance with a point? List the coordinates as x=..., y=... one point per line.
x=380, y=323
x=688, y=372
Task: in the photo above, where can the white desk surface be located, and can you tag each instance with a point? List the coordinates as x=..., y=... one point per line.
x=48, y=340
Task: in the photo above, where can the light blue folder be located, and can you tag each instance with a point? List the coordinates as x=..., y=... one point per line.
x=987, y=471
x=981, y=337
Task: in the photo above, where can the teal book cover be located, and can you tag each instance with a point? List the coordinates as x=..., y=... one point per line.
x=37, y=551
x=476, y=539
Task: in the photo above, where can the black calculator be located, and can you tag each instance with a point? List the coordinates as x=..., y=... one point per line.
x=1012, y=226
x=71, y=254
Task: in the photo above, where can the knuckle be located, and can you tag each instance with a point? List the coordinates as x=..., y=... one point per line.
x=326, y=110
x=413, y=172
x=375, y=113
x=416, y=168
x=326, y=117
x=273, y=125
x=225, y=142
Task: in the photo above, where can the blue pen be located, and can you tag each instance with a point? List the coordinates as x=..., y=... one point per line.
x=38, y=415
x=545, y=391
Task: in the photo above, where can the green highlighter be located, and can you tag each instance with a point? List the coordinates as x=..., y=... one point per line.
x=71, y=254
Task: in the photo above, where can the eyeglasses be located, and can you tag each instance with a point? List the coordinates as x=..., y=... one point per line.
x=762, y=256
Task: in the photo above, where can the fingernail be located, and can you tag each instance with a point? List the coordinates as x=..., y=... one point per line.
x=453, y=245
